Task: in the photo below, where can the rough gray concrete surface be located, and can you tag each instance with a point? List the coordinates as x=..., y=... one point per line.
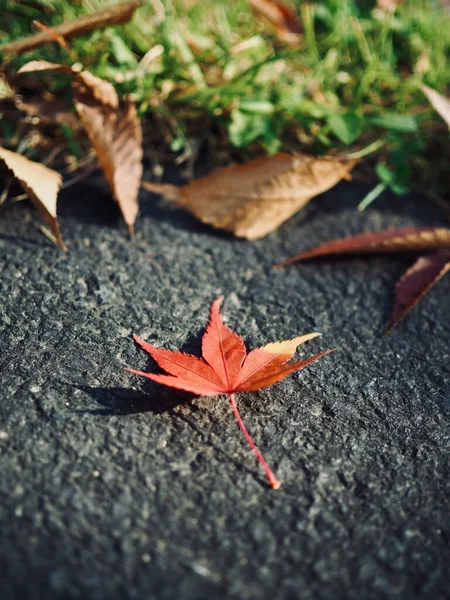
x=109, y=490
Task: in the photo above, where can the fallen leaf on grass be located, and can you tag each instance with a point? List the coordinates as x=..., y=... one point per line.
x=417, y=280
x=227, y=368
x=117, y=140
x=284, y=18
x=440, y=103
x=40, y=183
x=255, y=198
x=114, y=131
x=113, y=15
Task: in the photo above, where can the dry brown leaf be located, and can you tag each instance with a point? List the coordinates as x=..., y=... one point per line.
x=282, y=17
x=440, y=103
x=417, y=280
x=253, y=199
x=40, y=183
x=117, y=140
x=388, y=241
x=113, y=15
x=103, y=91
x=35, y=66
x=115, y=133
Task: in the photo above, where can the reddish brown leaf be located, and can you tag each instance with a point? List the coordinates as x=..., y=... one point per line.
x=40, y=183
x=113, y=15
x=255, y=198
x=386, y=241
x=440, y=103
x=226, y=368
x=282, y=17
x=416, y=282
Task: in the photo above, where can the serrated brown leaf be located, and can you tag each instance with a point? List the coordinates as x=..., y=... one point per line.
x=416, y=282
x=380, y=242
x=102, y=91
x=113, y=15
x=253, y=199
x=282, y=17
x=40, y=183
x=115, y=133
x=117, y=140
x=440, y=103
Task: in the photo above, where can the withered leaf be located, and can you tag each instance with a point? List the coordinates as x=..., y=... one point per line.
x=417, y=280
x=40, y=183
x=255, y=198
x=440, y=103
x=380, y=242
x=227, y=368
x=115, y=133
x=117, y=140
x=34, y=66
x=113, y=15
x=102, y=91
x=282, y=17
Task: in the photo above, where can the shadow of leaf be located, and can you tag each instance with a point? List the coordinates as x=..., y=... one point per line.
x=124, y=401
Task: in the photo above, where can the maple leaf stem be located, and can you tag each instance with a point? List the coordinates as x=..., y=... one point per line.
x=274, y=482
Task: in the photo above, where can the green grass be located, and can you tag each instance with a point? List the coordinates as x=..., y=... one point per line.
x=212, y=75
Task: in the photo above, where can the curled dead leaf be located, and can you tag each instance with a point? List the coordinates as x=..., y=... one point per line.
x=417, y=280
x=114, y=131
x=379, y=242
x=102, y=91
x=40, y=183
x=113, y=15
x=117, y=140
x=35, y=66
x=254, y=199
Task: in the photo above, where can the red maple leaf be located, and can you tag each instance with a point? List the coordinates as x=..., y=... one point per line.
x=227, y=368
